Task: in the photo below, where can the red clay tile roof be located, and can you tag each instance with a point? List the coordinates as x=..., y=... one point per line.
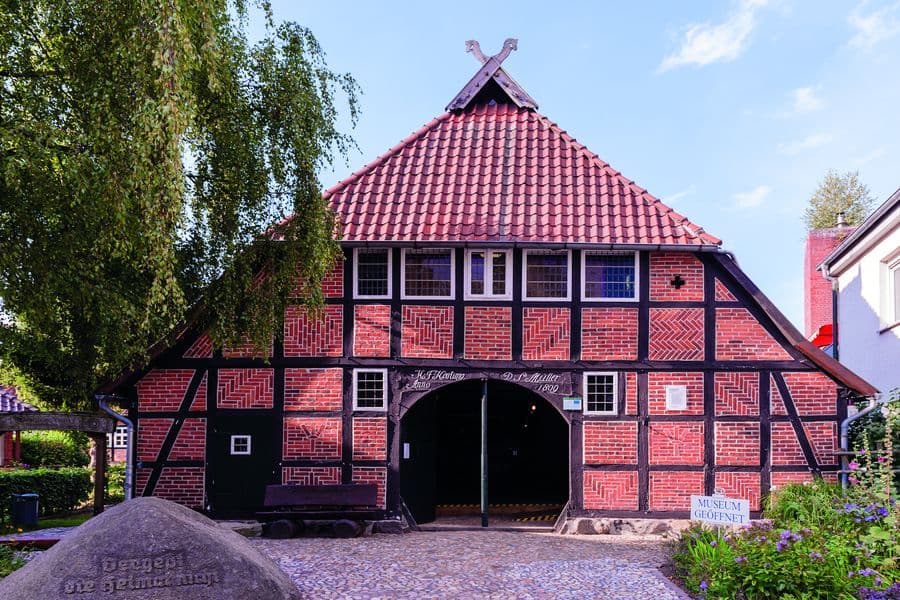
x=498, y=173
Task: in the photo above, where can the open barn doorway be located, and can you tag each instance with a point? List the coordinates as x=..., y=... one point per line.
x=527, y=456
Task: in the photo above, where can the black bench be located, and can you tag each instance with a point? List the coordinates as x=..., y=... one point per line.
x=291, y=505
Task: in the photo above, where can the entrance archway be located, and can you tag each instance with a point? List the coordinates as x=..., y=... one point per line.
x=527, y=451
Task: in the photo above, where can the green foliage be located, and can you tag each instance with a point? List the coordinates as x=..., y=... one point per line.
x=52, y=449
x=9, y=561
x=115, y=482
x=60, y=490
x=149, y=154
x=838, y=193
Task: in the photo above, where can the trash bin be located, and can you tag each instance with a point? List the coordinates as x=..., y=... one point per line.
x=25, y=509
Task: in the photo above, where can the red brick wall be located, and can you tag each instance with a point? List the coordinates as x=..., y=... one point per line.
x=184, y=485
x=247, y=350
x=332, y=283
x=151, y=433
x=630, y=393
x=610, y=442
x=610, y=490
x=369, y=438
x=8, y=454
x=782, y=478
x=545, y=333
x=740, y=485
x=737, y=393
x=311, y=475
x=191, y=441
x=739, y=336
x=376, y=475
x=824, y=439
x=812, y=392
x=311, y=438
x=308, y=336
x=676, y=443
x=427, y=332
x=816, y=289
x=656, y=392
x=199, y=402
x=609, y=333
x=676, y=334
x=776, y=403
x=737, y=443
x=245, y=388
x=488, y=333
x=786, y=448
x=663, y=268
x=201, y=348
x=723, y=294
x=372, y=330
x=163, y=389
x=313, y=389
x=671, y=490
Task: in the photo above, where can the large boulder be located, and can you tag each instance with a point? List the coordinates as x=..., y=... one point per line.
x=149, y=548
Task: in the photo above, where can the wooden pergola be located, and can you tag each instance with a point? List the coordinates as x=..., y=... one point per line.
x=96, y=425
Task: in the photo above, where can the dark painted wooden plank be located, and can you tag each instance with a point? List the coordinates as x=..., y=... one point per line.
x=347, y=428
x=354, y=494
x=575, y=308
x=459, y=304
x=643, y=450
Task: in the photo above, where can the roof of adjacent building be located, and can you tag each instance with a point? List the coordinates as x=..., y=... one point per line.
x=493, y=169
x=863, y=232
x=9, y=401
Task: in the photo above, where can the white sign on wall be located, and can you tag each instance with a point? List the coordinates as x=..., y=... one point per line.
x=676, y=397
x=719, y=510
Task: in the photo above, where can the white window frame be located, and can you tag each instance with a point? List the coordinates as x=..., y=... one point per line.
x=489, y=270
x=384, y=391
x=120, y=433
x=525, y=296
x=390, y=278
x=403, y=294
x=637, y=276
x=893, y=290
x=242, y=437
x=584, y=389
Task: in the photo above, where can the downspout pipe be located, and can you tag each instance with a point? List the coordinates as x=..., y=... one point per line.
x=874, y=404
x=129, y=468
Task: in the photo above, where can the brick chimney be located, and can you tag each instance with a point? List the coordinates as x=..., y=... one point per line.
x=816, y=289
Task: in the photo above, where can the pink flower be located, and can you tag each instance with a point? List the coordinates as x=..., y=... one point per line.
x=853, y=465
x=882, y=459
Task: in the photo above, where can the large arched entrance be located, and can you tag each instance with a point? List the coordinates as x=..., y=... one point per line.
x=527, y=452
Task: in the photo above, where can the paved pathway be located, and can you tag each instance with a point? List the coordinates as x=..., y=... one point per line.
x=474, y=564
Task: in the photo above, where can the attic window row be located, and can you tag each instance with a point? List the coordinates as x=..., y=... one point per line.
x=429, y=274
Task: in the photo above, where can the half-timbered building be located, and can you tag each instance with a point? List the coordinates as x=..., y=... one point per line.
x=499, y=275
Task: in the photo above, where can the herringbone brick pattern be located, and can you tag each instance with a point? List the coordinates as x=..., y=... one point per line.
x=311, y=438
x=676, y=334
x=739, y=336
x=609, y=333
x=488, y=333
x=163, y=390
x=610, y=490
x=664, y=266
x=737, y=393
x=740, y=485
x=376, y=475
x=427, y=332
x=723, y=294
x=657, y=381
x=313, y=389
x=372, y=330
x=191, y=441
x=311, y=475
x=671, y=490
x=308, y=336
x=676, y=443
x=545, y=334
x=244, y=388
x=813, y=393
x=201, y=348
x=737, y=443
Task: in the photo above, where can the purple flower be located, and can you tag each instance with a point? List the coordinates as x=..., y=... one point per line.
x=815, y=555
x=703, y=585
x=713, y=543
x=780, y=546
x=882, y=459
x=740, y=559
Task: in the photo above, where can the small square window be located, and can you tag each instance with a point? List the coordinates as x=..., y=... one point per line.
x=240, y=445
x=546, y=275
x=428, y=274
x=120, y=437
x=488, y=275
x=609, y=276
x=372, y=273
x=600, y=394
x=370, y=389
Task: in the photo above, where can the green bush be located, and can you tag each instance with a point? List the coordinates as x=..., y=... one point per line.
x=53, y=449
x=9, y=561
x=115, y=482
x=60, y=490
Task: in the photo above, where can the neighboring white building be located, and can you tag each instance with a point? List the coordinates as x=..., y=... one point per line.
x=865, y=271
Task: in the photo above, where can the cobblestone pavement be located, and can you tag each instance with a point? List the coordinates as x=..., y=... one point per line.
x=474, y=564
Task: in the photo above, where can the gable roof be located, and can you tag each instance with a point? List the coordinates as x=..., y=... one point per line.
x=498, y=172
x=879, y=216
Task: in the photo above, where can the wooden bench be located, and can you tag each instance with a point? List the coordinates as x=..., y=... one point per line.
x=291, y=505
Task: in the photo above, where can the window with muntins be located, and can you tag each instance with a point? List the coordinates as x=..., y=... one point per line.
x=600, y=394
x=240, y=445
x=428, y=273
x=610, y=276
x=370, y=389
x=372, y=273
x=488, y=274
x=547, y=275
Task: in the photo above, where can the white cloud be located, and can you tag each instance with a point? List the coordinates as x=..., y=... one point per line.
x=673, y=198
x=808, y=143
x=753, y=198
x=705, y=43
x=877, y=26
x=804, y=100
x=871, y=156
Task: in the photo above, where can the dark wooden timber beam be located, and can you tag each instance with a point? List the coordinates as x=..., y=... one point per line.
x=57, y=421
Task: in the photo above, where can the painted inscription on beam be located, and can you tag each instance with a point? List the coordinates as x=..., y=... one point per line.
x=548, y=383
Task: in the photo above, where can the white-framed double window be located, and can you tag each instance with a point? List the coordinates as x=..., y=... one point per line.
x=372, y=273
x=370, y=389
x=601, y=393
x=488, y=275
x=241, y=445
x=118, y=438
x=428, y=274
x=547, y=275
x=895, y=282
x=609, y=276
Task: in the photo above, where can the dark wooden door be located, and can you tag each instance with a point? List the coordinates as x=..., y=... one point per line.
x=418, y=460
x=243, y=461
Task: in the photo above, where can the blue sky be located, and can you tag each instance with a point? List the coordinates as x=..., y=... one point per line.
x=730, y=112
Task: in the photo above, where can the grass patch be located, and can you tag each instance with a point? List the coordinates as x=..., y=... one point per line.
x=64, y=520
